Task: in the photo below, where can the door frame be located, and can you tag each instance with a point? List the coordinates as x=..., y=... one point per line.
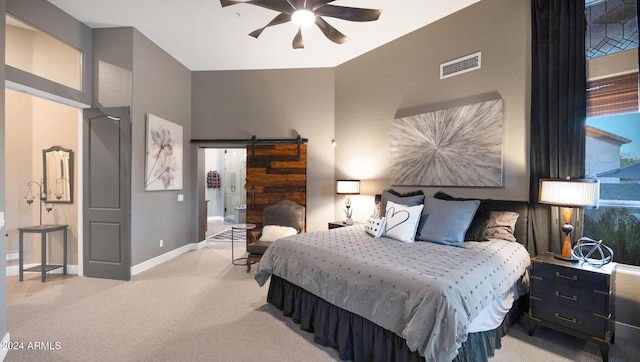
x=198, y=147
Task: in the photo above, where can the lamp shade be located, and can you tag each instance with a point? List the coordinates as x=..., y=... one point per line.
x=570, y=193
x=348, y=187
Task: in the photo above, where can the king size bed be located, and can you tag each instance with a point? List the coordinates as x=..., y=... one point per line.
x=373, y=297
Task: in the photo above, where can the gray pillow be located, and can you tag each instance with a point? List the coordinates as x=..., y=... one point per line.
x=408, y=199
x=446, y=222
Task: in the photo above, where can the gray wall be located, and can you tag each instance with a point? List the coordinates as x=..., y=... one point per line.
x=130, y=70
x=274, y=104
x=3, y=241
x=162, y=87
x=402, y=78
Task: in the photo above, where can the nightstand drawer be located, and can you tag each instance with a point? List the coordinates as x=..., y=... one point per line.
x=570, y=318
x=572, y=276
x=565, y=294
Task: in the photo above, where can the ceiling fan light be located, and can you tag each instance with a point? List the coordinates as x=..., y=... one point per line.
x=303, y=17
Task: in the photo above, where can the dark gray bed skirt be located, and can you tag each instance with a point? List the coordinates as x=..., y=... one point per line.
x=358, y=339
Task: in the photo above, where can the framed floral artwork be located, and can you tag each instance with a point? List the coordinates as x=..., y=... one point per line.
x=163, y=162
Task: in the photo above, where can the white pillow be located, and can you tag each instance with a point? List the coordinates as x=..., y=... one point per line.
x=275, y=232
x=402, y=221
x=375, y=226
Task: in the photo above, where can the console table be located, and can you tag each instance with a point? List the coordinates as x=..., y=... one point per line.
x=43, y=230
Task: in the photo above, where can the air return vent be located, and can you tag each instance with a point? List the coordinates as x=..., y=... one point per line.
x=460, y=65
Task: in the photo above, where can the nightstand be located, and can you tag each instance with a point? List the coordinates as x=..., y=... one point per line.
x=339, y=224
x=574, y=298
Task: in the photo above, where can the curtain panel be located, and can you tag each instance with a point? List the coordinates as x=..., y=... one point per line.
x=558, y=107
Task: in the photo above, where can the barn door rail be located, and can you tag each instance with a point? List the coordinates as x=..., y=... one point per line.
x=253, y=141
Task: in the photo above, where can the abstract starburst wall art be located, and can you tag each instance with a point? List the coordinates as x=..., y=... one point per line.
x=163, y=166
x=460, y=146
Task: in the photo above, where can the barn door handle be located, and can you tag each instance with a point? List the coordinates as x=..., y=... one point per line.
x=253, y=196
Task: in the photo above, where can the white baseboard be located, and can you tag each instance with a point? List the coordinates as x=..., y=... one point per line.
x=146, y=265
x=215, y=218
x=13, y=255
x=136, y=269
x=15, y=269
x=3, y=351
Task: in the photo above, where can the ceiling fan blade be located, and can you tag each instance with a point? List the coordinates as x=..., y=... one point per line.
x=348, y=13
x=279, y=19
x=316, y=4
x=297, y=40
x=282, y=6
x=330, y=32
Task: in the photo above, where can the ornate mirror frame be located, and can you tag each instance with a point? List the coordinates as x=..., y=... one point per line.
x=58, y=174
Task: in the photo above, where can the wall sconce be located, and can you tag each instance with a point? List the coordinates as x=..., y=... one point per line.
x=567, y=194
x=348, y=187
x=42, y=195
x=62, y=187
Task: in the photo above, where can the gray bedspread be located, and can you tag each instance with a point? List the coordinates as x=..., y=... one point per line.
x=424, y=292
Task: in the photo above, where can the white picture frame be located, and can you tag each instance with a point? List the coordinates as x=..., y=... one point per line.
x=164, y=155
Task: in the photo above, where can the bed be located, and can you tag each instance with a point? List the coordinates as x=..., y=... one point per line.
x=382, y=299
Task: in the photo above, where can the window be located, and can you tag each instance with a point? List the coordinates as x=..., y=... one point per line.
x=613, y=128
x=38, y=53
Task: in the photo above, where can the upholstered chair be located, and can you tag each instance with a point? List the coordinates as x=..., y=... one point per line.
x=281, y=219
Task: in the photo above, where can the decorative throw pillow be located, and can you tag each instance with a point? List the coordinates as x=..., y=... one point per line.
x=377, y=209
x=501, y=225
x=375, y=226
x=275, y=232
x=446, y=222
x=480, y=219
x=402, y=221
x=408, y=199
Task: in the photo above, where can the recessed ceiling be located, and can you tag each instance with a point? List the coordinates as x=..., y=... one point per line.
x=202, y=35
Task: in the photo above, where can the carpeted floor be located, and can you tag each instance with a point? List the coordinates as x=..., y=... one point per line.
x=198, y=307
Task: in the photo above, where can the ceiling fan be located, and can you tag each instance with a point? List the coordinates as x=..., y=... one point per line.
x=307, y=12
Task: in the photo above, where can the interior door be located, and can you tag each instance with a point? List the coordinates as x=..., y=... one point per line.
x=274, y=173
x=107, y=190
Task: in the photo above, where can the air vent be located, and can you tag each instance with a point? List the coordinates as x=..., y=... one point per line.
x=460, y=65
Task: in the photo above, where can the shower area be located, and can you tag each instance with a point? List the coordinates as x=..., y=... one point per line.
x=225, y=186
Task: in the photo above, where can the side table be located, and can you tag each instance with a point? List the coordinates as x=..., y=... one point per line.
x=340, y=224
x=574, y=298
x=239, y=227
x=43, y=230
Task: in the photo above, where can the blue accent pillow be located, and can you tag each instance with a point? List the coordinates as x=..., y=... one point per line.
x=408, y=199
x=446, y=222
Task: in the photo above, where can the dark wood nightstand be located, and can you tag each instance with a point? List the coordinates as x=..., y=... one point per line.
x=339, y=224
x=574, y=298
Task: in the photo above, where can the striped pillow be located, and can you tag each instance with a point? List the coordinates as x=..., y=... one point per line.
x=446, y=222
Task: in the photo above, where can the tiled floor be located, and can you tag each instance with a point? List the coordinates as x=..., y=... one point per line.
x=216, y=226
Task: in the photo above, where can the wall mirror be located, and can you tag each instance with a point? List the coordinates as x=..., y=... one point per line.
x=58, y=174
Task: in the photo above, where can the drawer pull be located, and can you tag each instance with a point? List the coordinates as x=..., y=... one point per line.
x=570, y=320
x=573, y=277
x=571, y=298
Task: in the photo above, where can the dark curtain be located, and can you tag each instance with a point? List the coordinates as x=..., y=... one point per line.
x=558, y=106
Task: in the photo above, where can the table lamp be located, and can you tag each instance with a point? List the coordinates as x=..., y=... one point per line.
x=348, y=187
x=568, y=194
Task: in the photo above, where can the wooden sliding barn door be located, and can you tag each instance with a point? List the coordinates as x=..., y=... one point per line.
x=275, y=172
